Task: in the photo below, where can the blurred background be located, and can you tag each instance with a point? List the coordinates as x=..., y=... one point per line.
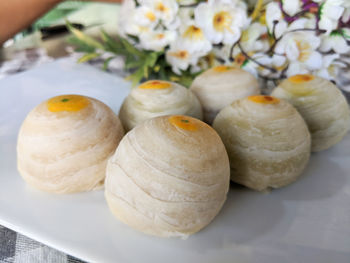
x=48, y=35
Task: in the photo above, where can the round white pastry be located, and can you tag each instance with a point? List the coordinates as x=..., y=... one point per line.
x=169, y=176
x=220, y=86
x=267, y=141
x=321, y=104
x=64, y=144
x=158, y=98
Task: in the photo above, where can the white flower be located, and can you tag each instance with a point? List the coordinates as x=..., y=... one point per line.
x=126, y=18
x=186, y=2
x=252, y=3
x=250, y=38
x=136, y=20
x=300, y=48
x=193, y=38
x=221, y=22
x=336, y=42
x=331, y=67
x=145, y=17
x=346, y=33
x=258, y=65
x=165, y=10
x=222, y=54
x=291, y=7
x=274, y=19
x=180, y=58
x=346, y=14
x=330, y=13
x=185, y=15
x=157, y=40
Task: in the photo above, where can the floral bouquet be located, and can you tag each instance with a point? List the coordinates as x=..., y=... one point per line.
x=176, y=40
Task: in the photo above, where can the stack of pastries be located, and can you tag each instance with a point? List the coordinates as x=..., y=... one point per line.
x=169, y=175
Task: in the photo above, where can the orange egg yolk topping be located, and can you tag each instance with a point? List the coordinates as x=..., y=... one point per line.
x=70, y=103
x=155, y=84
x=264, y=99
x=301, y=78
x=185, y=122
x=223, y=68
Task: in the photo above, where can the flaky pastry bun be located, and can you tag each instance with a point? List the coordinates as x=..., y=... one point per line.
x=158, y=98
x=168, y=177
x=64, y=144
x=220, y=86
x=267, y=141
x=321, y=104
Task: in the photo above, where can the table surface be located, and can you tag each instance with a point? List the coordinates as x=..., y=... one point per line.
x=307, y=221
x=16, y=248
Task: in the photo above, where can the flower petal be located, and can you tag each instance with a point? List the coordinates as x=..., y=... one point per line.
x=315, y=61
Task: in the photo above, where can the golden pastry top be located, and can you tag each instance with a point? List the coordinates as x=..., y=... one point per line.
x=71, y=103
x=301, y=78
x=263, y=99
x=223, y=68
x=155, y=84
x=185, y=122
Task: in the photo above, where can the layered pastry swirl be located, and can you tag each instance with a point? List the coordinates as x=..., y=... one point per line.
x=158, y=98
x=321, y=104
x=168, y=177
x=267, y=141
x=220, y=86
x=64, y=143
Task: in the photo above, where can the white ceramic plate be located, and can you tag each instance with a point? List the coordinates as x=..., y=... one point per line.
x=308, y=221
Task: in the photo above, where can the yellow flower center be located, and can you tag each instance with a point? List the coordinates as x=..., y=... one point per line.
x=264, y=99
x=245, y=36
x=193, y=32
x=151, y=16
x=160, y=36
x=161, y=7
x=185, y=122
x=155, y=84
x=262, y=19
x=239, y=59
x=182, y=54
x=70, y=103
x=301, y=78
x=143, y=29
x=223, y=68
x=222, y=21
x=304, y=50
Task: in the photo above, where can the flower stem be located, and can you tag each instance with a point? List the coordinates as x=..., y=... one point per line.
x=252, y=59
x=257, y=9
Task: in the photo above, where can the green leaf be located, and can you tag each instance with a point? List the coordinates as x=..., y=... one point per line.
x=131, y=49
x=80, y=45
x=137, y=76
x=88, y=57
x=106, y=63
x=320, y=10
x=84, y=38
x=162, y=73
x=344, y=33
x=152, y=58
x=111, y=44
x=133, y=64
